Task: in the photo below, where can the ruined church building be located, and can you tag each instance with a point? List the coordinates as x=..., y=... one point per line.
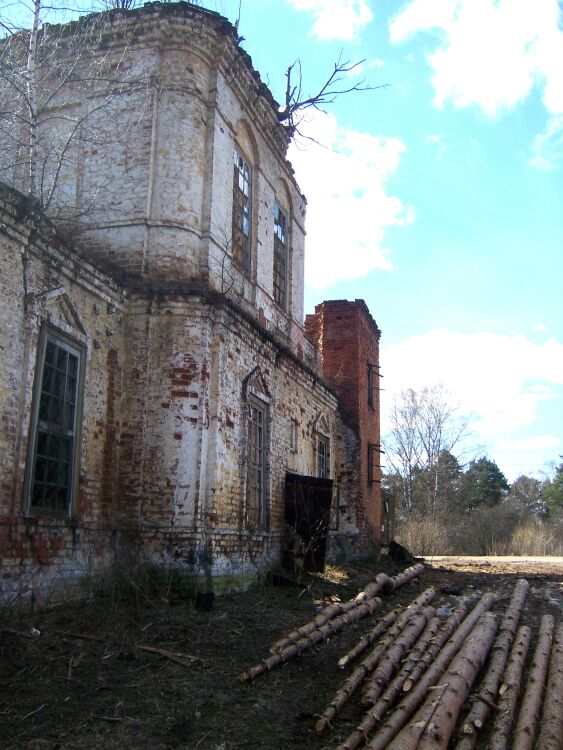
x=162, y=399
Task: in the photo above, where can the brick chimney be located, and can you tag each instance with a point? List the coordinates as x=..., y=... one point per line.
x=348, y=339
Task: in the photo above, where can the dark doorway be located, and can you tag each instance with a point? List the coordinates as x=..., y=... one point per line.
x=308, y=502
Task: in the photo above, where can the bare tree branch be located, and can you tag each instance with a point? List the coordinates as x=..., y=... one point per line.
x=333, y=87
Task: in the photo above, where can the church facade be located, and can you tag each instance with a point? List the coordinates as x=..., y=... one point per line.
x=163, y=400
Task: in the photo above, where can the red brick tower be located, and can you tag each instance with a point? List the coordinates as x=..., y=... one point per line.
x=348, y=339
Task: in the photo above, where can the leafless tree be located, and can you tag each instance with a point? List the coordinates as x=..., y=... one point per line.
x=426, y=433
x=336, y=84
x=55, y=80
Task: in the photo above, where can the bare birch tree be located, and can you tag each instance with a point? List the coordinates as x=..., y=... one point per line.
x=55, y=80
x=426, y=438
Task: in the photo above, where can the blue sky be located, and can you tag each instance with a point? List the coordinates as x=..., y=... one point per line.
x=439, y=199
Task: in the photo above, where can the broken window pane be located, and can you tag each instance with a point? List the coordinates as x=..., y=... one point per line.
x=280, y=256
x=55, y=428
x=323, y=457
x=256, y=498
x=242, y=212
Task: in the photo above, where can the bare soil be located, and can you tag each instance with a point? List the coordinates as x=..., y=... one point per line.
x=84, y=683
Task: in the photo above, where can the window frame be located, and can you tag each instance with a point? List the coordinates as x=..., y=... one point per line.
x=261, y=507
x=281, y=256
x=372, y=384
x=241, y=200
x=322, y=458
x=61, y=340
x=294, y=435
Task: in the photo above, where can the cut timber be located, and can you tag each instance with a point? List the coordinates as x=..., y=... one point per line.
x=510, y=690
x=431, y=640
x=416, y=694
x=433, y=724
x=551, y=734
x=353, y=682
x=317, y=636
x=365, y=642
x=407, y=575
x=391, y=661
x=382, y=583
x=446, y=630
x=531, y=702
x=480, y=707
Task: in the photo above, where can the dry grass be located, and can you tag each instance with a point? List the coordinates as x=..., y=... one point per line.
x=84, y=684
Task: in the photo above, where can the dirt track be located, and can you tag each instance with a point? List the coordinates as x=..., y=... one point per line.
x=65, y=692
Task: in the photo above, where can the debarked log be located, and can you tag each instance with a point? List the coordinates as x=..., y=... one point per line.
x=353, y=682
x=391, y=661
x=480, y=707
x=382, y=583
x=316, y=636
x=417, y=692
x=551, y=734
x=433, y=724
x=510, y=690
x=530, y=708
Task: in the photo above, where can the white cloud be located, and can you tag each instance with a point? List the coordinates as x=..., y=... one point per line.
x=349, y=208
x=336, y=19
x=489, y=53
x=540, y=328
x=499, y=379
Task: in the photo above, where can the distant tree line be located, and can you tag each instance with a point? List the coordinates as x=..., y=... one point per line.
x=448, y=503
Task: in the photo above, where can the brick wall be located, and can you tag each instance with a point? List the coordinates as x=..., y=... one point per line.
x=42, y=282
x=348, y=340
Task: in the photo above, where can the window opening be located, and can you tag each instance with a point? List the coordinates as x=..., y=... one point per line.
x=55, y=426
x=242, y=211
x=372, y=384
x=293, y=435
x=280, y=256
x=256, y=506
x=323, y=457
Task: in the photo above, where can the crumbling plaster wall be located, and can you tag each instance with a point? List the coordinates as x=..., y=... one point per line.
x=157, y=179
x=44, y=282
x=185, y=433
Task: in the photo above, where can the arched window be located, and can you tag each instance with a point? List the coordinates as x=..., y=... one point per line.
x=281, y=255
x=242, y=211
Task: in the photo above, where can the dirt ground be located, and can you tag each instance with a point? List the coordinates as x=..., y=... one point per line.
x=84, y=683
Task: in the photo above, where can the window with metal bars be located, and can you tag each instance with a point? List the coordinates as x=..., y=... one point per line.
x=280, y=256
x=54, y=428
x=256, y=471
x=323, y=457
x=242, y=211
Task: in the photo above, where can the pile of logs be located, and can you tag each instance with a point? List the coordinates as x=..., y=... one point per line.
x=330, y=620
x=416, y=673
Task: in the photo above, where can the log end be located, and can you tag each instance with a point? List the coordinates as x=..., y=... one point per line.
x=244, y=677
x=321, y=725
x=386, y=583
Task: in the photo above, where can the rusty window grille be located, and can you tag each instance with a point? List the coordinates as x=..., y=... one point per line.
x=242, y=212
x=280, y=256
x=323, y=457
x=55, y=422
x=256, y=496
